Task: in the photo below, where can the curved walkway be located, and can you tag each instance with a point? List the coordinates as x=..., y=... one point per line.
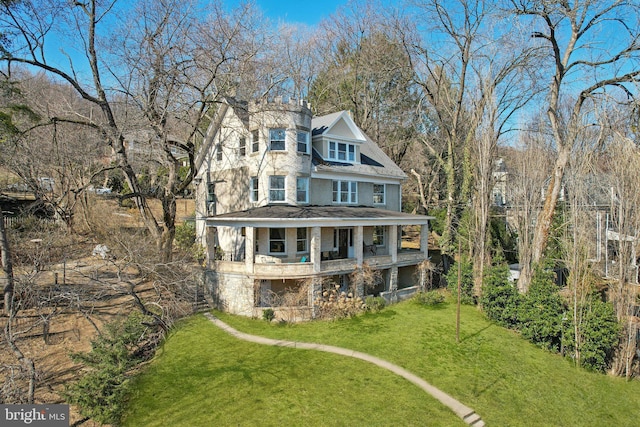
x=467, y=414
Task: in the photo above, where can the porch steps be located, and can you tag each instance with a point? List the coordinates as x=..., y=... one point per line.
x=200, y=303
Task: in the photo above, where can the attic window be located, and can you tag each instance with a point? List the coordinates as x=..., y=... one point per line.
x=342, y=151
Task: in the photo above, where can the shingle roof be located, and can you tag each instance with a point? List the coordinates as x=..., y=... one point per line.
x=278, y=215
x=373, y=161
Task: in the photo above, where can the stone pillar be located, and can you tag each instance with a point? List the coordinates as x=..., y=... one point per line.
x=393, y=243
x=424, y=240
x=393, y=283
x=316, y=249
x=315, y=292
x=358, y=237
x=249, y=248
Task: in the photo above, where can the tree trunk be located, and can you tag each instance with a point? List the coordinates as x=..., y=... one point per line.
x=7, y=267
x=545, y=217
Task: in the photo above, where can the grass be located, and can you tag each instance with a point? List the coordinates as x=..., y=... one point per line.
x=203, y=377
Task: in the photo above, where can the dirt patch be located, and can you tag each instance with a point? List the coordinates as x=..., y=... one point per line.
x=93, y=293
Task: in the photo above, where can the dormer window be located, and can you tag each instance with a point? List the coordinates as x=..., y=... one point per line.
x=277, y=139
x=342, y=151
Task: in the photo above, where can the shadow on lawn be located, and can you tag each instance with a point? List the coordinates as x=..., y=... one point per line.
x=475, y=334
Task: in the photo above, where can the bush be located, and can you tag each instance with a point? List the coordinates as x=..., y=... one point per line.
x=500, y=298
x=375, y=304
x=268, y=314
x=542, y=310
x=466, y=281
x=185, y=235
x=431, y=298
x=598, y=332
x=100, y=393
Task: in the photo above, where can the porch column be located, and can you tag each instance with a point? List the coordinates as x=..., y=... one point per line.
x=424, y=239
x=249, y=248
x=393, y=243
x=316, y=249
x=358, y=237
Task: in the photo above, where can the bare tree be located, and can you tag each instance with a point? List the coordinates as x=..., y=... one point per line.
x=365, y=69
x=472, y=84
x=622, y=163
x=166, y=71
x=567, y=33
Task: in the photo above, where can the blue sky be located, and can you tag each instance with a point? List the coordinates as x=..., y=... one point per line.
x=308, y=12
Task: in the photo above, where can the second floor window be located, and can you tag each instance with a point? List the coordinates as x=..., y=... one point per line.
x=253, y=189
x=302, y=138
x=277, y=139
x=378, y=194
x=218, y=152
x=302, y=190
x=242, y=150
x=255, y=141
x=276, y=188
x=345, y=192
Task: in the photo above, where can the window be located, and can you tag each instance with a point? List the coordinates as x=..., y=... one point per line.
x=277, y=240
x=253, y=189
x=218, y=152
x=345, y=192
x=301, y=240
x=255, y=141
x=277, y=139
x=378, y=235
x=302, y=190
x=242, y=151
x=211, y=192
x=302, y=138
x=276, y=188
x=342, y=151
x=378, y=194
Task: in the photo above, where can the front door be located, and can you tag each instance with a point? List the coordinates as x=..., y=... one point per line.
x=343, y=243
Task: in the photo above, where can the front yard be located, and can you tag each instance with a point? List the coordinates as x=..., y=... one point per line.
x=204, y=377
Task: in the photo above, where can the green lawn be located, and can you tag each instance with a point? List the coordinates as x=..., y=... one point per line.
x=204, y=377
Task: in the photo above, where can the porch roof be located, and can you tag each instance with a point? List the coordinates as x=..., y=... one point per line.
x=309, y=216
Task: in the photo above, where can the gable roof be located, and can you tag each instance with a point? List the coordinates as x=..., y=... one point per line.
x=372, y=159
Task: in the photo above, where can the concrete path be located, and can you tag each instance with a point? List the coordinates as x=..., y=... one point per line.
x=467, y=414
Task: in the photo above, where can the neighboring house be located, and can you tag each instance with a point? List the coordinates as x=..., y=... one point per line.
x=283, y=198
x=499, y=190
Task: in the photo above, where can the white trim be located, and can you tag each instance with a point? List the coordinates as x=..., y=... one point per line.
x=360, y=177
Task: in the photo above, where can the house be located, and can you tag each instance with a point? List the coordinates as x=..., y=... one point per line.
x=284, y=198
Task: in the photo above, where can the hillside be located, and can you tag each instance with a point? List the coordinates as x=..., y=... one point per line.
x=203, y=376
